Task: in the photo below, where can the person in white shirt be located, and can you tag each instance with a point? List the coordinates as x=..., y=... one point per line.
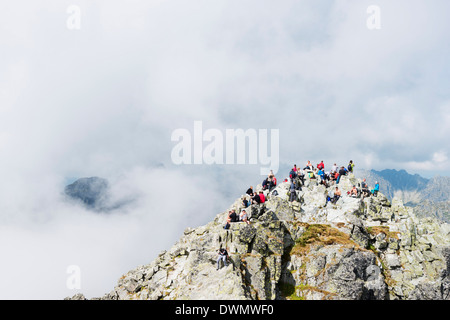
x=334, y=168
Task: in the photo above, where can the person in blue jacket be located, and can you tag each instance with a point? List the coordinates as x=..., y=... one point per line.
x=375, y=190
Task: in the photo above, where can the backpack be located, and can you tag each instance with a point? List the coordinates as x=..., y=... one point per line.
x=292, y=174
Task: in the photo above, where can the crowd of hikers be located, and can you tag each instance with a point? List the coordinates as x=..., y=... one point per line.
x=297, y=178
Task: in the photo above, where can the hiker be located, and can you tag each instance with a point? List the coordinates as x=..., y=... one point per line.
x=301, y=177
x=233, y=216
x=265, y=184
x=321, y=165
x=292, y=193
x=329, y=196
x=293, y=173
x=309, y=166
x=227, y=222
x=243, y=217
x=334, y=168
x=325, y=178
x=342, y=172
x=350, y=166
x=223, y=256
x=271, y=182
x=256, y=199
x=250, y=191
x=354, y=192
x=274, y=182
x=333, y=176
x=337, y=195
x=262, y=198
x=245, y=202
x=375, y=190
x=365, y=188
x=321, y=174
x=297, y=175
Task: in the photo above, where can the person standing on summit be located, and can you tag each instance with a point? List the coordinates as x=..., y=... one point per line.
x=350, y=166
x=342, y=172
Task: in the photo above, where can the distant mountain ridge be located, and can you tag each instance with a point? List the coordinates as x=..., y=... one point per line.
x=428, y=197
x=95, y=194
x=91, y=191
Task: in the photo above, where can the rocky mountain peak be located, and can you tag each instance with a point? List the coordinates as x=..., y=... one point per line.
x=308, y=248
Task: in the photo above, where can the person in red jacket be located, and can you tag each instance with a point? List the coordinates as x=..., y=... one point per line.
x=262, y=197
x=321, y=165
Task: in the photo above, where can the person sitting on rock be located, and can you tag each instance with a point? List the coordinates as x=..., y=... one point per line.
x=337, y=195
x=334, y=168
x=262, y=197
x=365, y=188
x=233, y=216
x=325, y=179
x=228, y=221
x=265, y=184
x=245, y=202
x=333, y=175
x=223, y=256
x=354, y=192
x=375, y=190
x=256, y=199
x=301, y=177
x=250, y=191
x=273, y=183
x=270, y=182
x=336, y=176
x=244, y=217
x=309, y=166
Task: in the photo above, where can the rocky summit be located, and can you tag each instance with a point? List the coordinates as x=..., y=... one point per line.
x=310, y=248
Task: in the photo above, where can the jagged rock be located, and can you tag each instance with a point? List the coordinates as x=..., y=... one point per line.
x=78, y=296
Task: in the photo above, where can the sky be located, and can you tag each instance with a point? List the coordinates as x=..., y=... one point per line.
x=97, y=88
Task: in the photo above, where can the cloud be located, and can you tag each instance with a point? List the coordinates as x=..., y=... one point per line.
x=105, y=99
